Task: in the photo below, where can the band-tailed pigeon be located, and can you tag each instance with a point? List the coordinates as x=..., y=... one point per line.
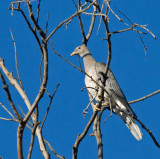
x=113, y=94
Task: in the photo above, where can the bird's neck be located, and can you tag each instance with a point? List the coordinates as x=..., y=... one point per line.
x=88, y=61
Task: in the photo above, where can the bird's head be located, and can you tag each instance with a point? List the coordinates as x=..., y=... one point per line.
x=80, y=50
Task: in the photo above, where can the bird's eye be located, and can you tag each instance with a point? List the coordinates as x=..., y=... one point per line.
x=79, y=47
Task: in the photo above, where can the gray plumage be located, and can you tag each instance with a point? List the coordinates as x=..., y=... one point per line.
x=114, y=95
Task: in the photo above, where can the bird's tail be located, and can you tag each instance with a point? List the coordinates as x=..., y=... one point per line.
x=131, y=124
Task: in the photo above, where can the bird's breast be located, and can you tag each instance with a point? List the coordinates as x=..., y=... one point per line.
x=90, y=84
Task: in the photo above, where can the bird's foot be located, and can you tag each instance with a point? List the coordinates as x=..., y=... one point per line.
x=98, y=98
x=96, y=107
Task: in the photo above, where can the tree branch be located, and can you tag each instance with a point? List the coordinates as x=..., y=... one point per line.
x=32, y=139
x=54, y=152
x=80, y=137
x=145, y=97
x=51, y=98
x=71, y=17
x=5, y=87
x=16, y=58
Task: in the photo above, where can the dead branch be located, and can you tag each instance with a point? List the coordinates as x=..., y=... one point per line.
x=143, y=26
x=15, y=120
x=97, y=133
x=80, y=137
x=16, y=58
x=47, y=24
x=108, y=5
x=32, y=139
x=81, y=24
x=14, y=82
x=43, y=85
x=38, y=10
x=51, y=98
x=149, y=132
x=145, y=97
x=71, y=17
x=8, y=112
x=20, y=139
x=5, y=87
x=40, y=31
x=54, y=152
x=92, y=21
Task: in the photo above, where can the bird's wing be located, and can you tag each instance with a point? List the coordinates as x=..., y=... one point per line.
x=112, y=86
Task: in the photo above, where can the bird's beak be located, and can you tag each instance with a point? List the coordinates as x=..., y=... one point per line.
x=73, y=53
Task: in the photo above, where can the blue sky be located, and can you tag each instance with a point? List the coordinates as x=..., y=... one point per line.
x=136, y=76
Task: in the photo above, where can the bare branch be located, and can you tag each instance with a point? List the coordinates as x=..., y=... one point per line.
x=51, y=98
x=108, y=5
x=81, y=24
x=95, y=14
x=143, y=26
x=43, y=85
x=5, y=87
x=16, y=58
x=98, y=135
x=82, y=30
x=9, y=119
x=92, y=21
x=31, y=108
x=40, y=31
x=71, y=17
x=149, y=132
x=145, y=97
x=47, y=24
x=28, y=23
x=32, y=139
x=38, y=11
x=54, y=152
x=20, y=131
x=8, y=111
x=80, y=137
x=14, y=82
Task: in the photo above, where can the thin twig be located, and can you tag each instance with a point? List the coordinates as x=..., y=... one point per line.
x=16, y=58
x=54, y=152
x=125, y=16
x=81, y=24
x=63, y=22
x=47, y=24
x=95, y=14
x=40, y=70
x=38, y=11
x=40, y=31
x=108, y=5
x=31, y=108
x=145, y=97
x=149, y=132
x=7, y=111
x=144, y=46
x=15, y=120
x=32, y=30
x=80, y=137
x=92, y=21
x=143, y=26
x=51, y=98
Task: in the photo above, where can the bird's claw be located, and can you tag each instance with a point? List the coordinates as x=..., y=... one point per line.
x=96, y=108
x=98, y=98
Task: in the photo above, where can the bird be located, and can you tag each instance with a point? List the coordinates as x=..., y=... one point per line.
x=113, y=95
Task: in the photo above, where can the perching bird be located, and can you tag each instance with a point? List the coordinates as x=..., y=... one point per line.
x=113, y=96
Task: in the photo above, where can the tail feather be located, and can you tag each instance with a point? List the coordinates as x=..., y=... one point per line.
x=130, y=123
